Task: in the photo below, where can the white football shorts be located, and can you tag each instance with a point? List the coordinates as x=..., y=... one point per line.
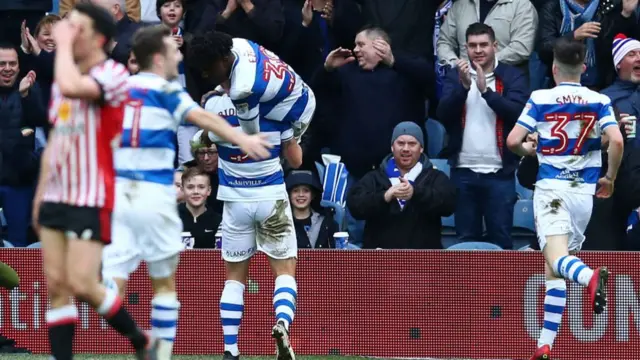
x=145, y=226
x=562, y=213
x=265, y=226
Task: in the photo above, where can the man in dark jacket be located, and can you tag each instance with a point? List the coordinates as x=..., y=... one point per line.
x=596, y=22
x=404, y=200
x=481, y=101
x=121, y=47
x=21, y=108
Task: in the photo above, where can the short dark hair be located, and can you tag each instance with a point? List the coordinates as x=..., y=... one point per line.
x=103, y=22
x=569, y=52
x=160, y=3
x=192, y=172
x=148, y=41
x=375, y=31
x=209, y=48
x=8, y=46
x=480, y=29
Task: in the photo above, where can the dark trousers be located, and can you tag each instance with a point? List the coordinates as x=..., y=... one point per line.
x=488, y=196
x=17, y=211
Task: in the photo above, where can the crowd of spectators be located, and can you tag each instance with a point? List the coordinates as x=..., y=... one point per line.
x=382, y=71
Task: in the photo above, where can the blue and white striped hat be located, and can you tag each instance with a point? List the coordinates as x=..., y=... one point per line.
x=622, y=45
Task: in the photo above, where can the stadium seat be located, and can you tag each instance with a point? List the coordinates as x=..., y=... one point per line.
x=448, y=234
x=338, y=212
x=474, y=246
x=523, y=215
x=523, y=192
x=35, y=245
x=3, y=220
x=7, y=244
x=442, y=165
x=435, y=137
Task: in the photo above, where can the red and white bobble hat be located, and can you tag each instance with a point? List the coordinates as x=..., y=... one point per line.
x=622, y=45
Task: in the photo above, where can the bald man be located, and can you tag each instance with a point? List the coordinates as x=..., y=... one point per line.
x=132, y=7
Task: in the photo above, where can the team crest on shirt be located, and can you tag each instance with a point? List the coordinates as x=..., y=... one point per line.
x=64, y=111
x=239, y=158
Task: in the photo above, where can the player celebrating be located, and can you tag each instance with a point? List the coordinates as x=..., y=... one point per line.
x=146, y=221
x=73, y=204
x=569, y=120
x=261, y=86
x=256, y=216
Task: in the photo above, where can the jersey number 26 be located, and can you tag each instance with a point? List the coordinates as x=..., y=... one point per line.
x=279, y=69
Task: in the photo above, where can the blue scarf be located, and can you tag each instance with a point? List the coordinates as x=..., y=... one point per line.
x=394, y=176
x=573, y=16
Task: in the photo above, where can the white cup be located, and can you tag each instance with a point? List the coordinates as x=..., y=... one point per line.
x=342, y=239
x=632, y=123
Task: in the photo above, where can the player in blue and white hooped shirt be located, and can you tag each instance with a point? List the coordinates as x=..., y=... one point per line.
x=146, y=224
x=261, y=85
x=571, y=122
x=256, y=217
x=269, y=96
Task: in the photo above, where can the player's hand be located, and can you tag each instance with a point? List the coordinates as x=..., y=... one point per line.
x=605, y=189
x=463, y=73
x=481, y=80
x=205, y=97
x=338, y=58
x=383, y=49
x=307, y=13
x=405, y=191
x=26, y=83
x=587, y=30
x=64, y=33
x=256, y=146
x=530, y=148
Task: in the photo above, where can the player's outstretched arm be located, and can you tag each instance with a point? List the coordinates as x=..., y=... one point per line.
x=292, y=152
x=615, y=150
x=70, y=80
x=256, y=146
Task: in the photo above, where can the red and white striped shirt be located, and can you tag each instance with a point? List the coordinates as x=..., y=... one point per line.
x=85, y=135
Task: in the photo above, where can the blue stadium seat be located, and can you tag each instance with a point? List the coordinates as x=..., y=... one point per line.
x=35, y=245
x=7, y=244
x=523, y=192
x=474, y=246
x=448, y=234
x=338, y=212
x=3, y=220
x=523, y=215
x=436, y=135
x=442, y=165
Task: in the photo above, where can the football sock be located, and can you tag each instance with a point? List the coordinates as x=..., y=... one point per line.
x=554, y=303
x=231, y=307
x=61, y=323
x=572, y=268
x=284, y=299
x=164, y=322
x=119, y=319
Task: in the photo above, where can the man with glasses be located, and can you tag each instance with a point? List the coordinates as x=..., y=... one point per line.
x=206, y=157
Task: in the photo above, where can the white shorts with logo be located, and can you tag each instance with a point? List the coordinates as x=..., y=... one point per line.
x=265, y=226
x=562, y=213
x=146, y=226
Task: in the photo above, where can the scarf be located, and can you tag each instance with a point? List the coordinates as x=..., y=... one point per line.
x=573, y=16
x=440, y=68
x=499, y=121
x=394, y=176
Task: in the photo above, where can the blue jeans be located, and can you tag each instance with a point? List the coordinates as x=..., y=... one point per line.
x=488, y=196
x=355, y=227
x=17, y=210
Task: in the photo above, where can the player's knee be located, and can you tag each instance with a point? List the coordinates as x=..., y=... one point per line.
x=82, y=286
x=163, y=285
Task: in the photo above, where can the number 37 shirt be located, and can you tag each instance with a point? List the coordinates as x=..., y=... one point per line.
x=569, y=120
x=265, y=87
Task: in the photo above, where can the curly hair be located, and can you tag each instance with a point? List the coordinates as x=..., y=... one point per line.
x=209, y=48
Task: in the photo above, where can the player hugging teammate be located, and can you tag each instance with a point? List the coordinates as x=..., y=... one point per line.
x=572, y=123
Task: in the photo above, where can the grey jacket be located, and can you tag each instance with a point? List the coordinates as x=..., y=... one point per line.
x=514, y=21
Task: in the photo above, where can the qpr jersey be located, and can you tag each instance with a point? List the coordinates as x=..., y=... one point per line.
x=242, y=178
x=569, y=120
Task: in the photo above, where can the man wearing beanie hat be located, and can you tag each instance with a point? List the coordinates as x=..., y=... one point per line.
x=624, y=92
x=403, y=201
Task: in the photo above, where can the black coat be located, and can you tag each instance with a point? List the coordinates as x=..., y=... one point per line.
x=203, y=228
x=419, y=225
x=325, y=235
x=611, y=22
